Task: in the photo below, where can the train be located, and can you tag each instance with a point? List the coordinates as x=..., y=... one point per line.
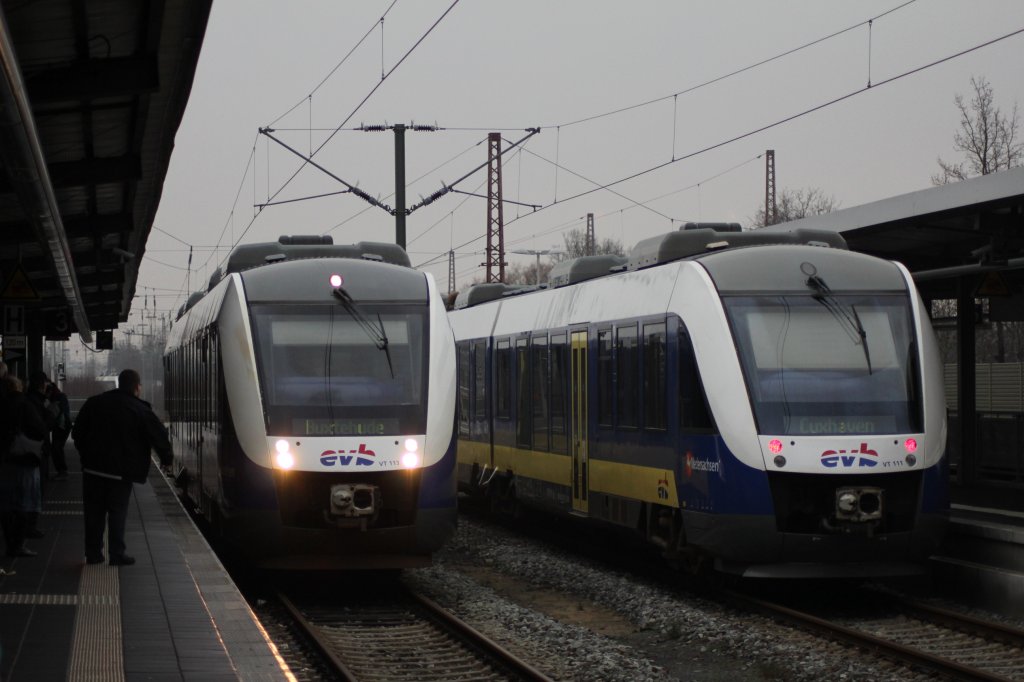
x=311, y=404
x=762, y=404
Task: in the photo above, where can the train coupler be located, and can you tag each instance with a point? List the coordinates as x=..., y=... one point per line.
x=353, y=504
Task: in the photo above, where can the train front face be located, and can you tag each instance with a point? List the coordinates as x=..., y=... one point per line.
x=841, y=434
x=356, y=364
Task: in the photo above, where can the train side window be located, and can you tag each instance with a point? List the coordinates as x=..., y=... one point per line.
x=655, y=369
x=503, y=380
x=559, y=381
x=540, y=391
x=480, y=381
x=626, y=376
x=605, y=376
x=464, y=373
x=524, y=429
x=693, y=407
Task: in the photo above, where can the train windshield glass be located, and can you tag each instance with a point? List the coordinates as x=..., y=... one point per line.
x=840, y=364
x=322, y=374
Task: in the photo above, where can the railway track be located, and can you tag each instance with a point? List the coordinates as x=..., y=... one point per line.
x=403, y=637
x=950, y=644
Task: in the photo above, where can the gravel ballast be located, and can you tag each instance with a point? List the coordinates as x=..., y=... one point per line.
x=491, y=577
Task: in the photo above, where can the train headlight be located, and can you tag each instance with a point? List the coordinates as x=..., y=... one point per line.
x=336, y=280
x=411, y=457
x=284, y=458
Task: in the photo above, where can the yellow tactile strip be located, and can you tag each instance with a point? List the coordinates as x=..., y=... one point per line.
x=96, y=652
x=60, y=599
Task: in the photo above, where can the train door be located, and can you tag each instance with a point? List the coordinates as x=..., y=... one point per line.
x=578, y=422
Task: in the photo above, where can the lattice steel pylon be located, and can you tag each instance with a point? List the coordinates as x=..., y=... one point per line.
x=451, y=272
x=591, y=243
x=495, y=216
x=771, y=209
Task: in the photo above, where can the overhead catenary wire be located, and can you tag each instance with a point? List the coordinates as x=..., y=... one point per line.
x=868, y=22
x=595, y=182
x=339, y=64
x=788, y=52
x=250, y=163
x=768, y=126
x=569, y=224
x=364, y=100
x=696, y=185
x=504, y=161
x=408, y=186
x=354, y=111
x=717, y=79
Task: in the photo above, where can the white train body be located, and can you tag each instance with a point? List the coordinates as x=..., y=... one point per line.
x=314, y=431
x=776, y=408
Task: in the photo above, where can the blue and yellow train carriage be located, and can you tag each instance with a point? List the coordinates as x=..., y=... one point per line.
x=770, y=402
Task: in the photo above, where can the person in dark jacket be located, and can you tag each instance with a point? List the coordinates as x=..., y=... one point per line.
x=20, y=494
x=35, y=396
x=115, y=433
x=61, y=411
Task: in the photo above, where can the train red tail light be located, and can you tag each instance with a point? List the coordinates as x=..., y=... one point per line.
x=775, y=446
x=910, y=444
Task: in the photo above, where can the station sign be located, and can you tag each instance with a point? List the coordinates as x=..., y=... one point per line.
x=14, y=320
x=57, y=324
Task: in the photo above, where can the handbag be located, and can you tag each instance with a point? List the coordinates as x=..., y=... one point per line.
x=25, y=450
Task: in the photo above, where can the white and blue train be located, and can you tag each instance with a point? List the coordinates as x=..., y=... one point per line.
x=767, y=404
x=312, y=407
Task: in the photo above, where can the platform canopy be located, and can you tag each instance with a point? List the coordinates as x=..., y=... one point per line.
x=91, y=97
x=939, y=233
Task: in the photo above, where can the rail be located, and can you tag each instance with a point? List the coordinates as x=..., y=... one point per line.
x=404, y=637
x=921, y=636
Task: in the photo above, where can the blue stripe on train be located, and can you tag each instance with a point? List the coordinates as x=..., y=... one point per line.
x=438, y=485
x=710, y=479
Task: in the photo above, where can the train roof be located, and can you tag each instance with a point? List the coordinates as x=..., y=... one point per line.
x=482, y=293
x=690, y=243
x=295, y=247
x=586, y=267
x=692, y=240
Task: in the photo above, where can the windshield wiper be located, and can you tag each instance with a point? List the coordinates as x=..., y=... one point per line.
x=376, y=332
x=863, y=337
x=823, y=295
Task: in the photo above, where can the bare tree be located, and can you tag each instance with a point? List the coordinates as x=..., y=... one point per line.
x=522, y=273
x=794, y=204
x=989, y=139
x=576, y=246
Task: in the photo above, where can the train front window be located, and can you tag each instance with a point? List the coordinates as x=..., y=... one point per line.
x=842, y=364
x=322, y=374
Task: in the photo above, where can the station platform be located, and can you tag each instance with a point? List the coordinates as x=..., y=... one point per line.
x=982, y=559
x=174, y=615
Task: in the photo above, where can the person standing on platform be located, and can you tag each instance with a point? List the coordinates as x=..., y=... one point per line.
x=35, y=396
x=20, y=494
x=114, y=434
x=61, y=429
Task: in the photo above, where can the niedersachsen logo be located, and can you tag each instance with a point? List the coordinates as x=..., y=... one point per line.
x=694, y=464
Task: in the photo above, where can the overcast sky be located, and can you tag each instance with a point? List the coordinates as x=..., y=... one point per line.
x=507, y=66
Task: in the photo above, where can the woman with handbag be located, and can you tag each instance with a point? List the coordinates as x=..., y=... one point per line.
x=20, y=496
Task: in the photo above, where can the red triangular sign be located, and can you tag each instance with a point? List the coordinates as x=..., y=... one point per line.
x=18, y=287
x=993, y=285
